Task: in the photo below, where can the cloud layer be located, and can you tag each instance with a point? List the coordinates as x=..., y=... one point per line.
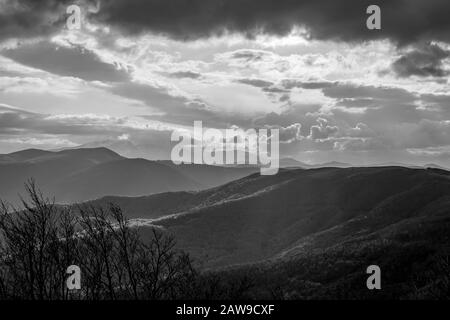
x=402, y=21
x=138, y=69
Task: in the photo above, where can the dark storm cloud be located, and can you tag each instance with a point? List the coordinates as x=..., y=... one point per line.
x=35, y=18
x=402, y=21
x=424, y=61
x=66, y=61
x=25, y=19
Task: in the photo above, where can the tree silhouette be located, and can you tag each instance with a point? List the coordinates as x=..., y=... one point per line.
x=39, y=242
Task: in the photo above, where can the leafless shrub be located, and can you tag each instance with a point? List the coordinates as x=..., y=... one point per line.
x=39, y=242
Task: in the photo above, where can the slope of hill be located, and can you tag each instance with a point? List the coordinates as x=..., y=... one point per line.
x=176, y=203
x=292, y=163
x=259, y=217
x=125, y=177
x=211, y=175
x=407, y=236
x=152, y=206
x=311, y=234
x=413, y=255
x=75, y=175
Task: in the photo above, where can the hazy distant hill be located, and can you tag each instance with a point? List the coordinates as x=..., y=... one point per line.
x=83, y=174
x=23, y=155
x=48, y=168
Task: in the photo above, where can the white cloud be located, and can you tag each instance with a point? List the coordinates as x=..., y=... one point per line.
x=36, y=141
x=322, y=131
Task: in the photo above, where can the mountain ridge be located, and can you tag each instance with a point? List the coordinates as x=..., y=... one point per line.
x=258, y=225
x=75, y=175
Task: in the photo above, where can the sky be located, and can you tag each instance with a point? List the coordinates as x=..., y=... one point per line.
x=137, y=70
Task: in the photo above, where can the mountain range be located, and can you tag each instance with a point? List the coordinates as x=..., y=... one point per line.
x=76, y=175
x=312, y=233
x=261, y=217
x=307, y=232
